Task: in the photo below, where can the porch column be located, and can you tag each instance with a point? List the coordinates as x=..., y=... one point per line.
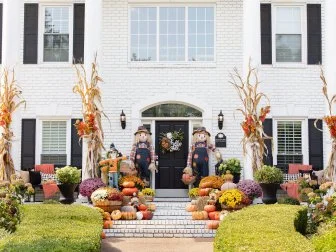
x=252, y=50
x=11, y=49
x=92, y=46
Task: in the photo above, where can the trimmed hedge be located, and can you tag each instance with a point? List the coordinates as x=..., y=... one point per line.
x=261, y=228
x=56, y=228
x=325, y=242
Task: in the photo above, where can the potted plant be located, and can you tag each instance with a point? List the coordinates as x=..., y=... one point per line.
x=251, y=188
x=233, y=199
x=193, y=193
x=269, y=178
x=148, y=193
x=232, y=165
x=88, y=186
x=68, y=178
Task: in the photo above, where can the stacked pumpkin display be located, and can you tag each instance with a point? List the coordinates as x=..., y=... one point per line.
x=107, y=221
x=207, y=184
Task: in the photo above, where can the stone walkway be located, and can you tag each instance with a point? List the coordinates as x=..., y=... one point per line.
x=157, y=244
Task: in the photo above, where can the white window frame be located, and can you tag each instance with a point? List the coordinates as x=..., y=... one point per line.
x=41, y=32
x=38, y=148
x=304, y=130
x=304, y=42
x=157, y=6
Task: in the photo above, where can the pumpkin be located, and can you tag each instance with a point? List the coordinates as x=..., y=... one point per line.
x=193, y=202
x=199, y=215
x=187, y=178
x=205, y=215
x=139, y=215
x=128, y=215
x=116, y=215
x=206, y=185
x=204, y=192
x=103, y=235
x=106, y=216
x=214, y=215
x=128, y=184
x=129, y=191
x=127, y=209
x=151, y=207
x=228, y=186
x=213, y=224
x=209, y=208
x=191, y=208
x=107, y=224
x=147, y=215
x=142, y=207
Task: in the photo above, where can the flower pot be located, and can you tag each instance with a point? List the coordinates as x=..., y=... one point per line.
x=67, y=193
x=236, y=178
x=269, y=193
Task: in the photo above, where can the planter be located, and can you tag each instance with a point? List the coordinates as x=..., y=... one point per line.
x=67, y=193
x=108, y=206
x=231, y=209
x=236, y=178
x=269, y=193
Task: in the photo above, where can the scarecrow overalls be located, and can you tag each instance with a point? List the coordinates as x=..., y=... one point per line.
x=144, y=153
x=200, y=159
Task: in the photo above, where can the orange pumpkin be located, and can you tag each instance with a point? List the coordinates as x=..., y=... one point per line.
x=107, y=224
x=106, y=216
x=142, y=207
x=213, y=224
x=128, y=184
x=205, y=185
x=116, y=215
x=151, y=207
x=199, y=215
x=103, y=235
x=204, y=192
x=128, y=215
x=191, y=208
x=209, y=208
x=129, y=191
x=147, y=215
x=205, y=215
x=214, y=215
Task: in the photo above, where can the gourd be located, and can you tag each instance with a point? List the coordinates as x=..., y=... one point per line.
x=116, y=215
x=142, y=207
x=204, y=192
x=228, y=184
x=128, y=184
x=151, y=207
x=107, y=224
x=214, y=215
x=102, y=235
x=147, y=215
x=213, y=224
x=139, y=215
x=106, y=216
x=199, y=215
x=191, y=208
x=209, y=208
x=129, y=191
x=127, y=209
x=128, y=215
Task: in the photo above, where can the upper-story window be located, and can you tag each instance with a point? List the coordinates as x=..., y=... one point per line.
x=172, y=34
x=288, y=34
x=56, y=34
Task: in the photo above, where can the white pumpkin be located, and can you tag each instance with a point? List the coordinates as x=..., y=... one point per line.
x=228, y=185
x=139, y=215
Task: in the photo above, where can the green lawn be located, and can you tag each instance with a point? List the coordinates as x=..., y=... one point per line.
x=55, y=228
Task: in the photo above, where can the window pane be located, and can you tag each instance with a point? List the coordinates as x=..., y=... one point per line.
x=289, y=138
x=288, y=48
x=288, y=20
x=143, y=34
x=56, y=34
x=172, y=110
x=172, y=34
x=201, y=34
x=54, y=137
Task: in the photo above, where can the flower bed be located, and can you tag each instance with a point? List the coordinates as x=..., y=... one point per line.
x=55, y=228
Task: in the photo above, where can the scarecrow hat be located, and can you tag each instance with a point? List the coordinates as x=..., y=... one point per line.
x=142, y=129
x=201, y=129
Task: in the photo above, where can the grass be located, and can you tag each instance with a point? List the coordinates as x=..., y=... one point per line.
x=55, y=228
x=325, y=242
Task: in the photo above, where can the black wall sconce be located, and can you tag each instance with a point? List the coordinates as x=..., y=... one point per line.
x=220, y=120
x=123, y=120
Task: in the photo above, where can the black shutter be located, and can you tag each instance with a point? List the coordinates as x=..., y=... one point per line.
x=76, y=147
x=266, y=33
x=78, y=33
x=315, y=144
x=30, y=44
x=28, y=144
x=314, y=34
x=268, y=129
x=1, y=32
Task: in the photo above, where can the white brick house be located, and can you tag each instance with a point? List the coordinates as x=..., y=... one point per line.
x=154, y=52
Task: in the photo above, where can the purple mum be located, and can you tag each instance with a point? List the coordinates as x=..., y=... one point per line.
x=88, y=186
x=251, y=188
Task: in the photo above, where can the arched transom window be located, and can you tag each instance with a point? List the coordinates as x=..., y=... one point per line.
x=171, y=110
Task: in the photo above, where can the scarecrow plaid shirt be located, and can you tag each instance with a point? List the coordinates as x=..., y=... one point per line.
x=198, y=145
x=142, y=145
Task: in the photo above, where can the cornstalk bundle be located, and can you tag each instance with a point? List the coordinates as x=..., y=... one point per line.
x=10, y=100
x=90, y=128
x=330, y=120
x=254, y=117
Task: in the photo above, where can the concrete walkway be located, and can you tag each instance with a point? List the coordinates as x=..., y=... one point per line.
x=157, y=244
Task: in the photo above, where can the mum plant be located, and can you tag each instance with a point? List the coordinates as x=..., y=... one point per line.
x=68, y=175
x=269, y=175
x=88, y=186
x=148, y=192
x=250, y=188
x=233, y=198
x=194, y=192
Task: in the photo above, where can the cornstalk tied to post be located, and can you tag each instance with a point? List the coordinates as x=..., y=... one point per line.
x=330, y=120
x=254, y=117
x=10, y=100
x=90, y=128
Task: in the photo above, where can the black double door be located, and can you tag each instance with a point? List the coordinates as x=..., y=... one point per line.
x=171, y=164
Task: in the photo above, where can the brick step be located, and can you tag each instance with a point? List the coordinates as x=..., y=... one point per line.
x=171, y=200
x=158, y=222
x=169, y=212
x=172, y=217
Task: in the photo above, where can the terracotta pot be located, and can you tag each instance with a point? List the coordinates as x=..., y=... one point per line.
x=67, y=193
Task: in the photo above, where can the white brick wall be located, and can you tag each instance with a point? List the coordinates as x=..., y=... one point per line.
x=126, y=84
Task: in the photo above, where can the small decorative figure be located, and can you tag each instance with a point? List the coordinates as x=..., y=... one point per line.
x=114, y=156
x=198, y=157
x=220, y=160
x=142, y=154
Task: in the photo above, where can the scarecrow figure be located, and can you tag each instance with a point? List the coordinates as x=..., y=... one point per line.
x=198, y=157
x=114, y=156
x=142, y=154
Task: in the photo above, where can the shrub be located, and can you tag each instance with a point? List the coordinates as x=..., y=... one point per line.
x=261, y=228
x=269, y=175
x=326, y=241
x=10, y=212
x=88, y=186
x=232, y=165
x=289, y=201
x=59, y=228
x=301, y=221
x=68, y=175
x=251, y=188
